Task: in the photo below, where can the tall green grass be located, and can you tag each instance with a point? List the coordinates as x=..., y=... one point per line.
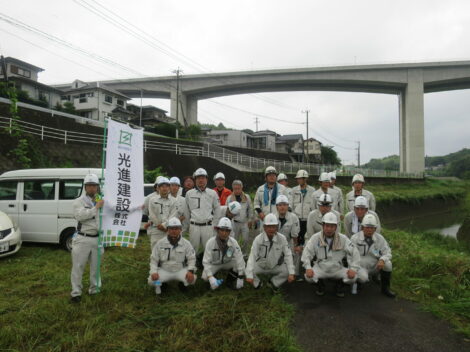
x=434, y=271
x=35, y=313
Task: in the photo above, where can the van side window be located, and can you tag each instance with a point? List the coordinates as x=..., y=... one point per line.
x=39, y=190
x=8, y=190
x=70, y=189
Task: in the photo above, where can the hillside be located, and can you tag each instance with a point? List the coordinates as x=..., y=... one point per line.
x=454, y=164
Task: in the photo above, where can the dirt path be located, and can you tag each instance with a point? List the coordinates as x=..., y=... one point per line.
x=367, y=322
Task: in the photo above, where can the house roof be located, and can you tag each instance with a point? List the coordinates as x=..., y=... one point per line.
x=264, y=133
x=35, y=84
x=147, y=107
x=290, y=137
x=12, y=60
x=95, y=85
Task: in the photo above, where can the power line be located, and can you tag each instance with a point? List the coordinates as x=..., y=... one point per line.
x=330, y=141
x=251, y=113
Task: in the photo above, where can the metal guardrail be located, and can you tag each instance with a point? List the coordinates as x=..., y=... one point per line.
x=226, y=156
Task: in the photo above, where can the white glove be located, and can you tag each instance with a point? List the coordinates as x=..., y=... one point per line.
x=239, y=283
x=213, y=282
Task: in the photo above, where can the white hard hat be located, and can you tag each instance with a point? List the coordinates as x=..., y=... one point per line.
x=270, y=170
x=282, y=199
x=330, y=218
x=174, y=222
x=234, y=207
x=224, y=223
x=163, y=181
x=219, y=175
x=175, y=181
x=200, y=172
x=369, y=220
x=358, y=178
x=157, y=180
x=324, y=177
x=332, y=175
x=301, y=174
x=270, y=219
x=281, y=177
x=361, y=202
x=91, y=179
x=325, y=199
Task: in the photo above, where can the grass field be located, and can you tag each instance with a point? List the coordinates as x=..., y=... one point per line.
x=35, y=313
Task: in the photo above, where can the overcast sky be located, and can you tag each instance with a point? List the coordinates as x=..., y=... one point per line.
x=220, y=36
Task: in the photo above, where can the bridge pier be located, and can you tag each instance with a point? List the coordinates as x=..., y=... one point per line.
x=187, y=108
x=412, y=123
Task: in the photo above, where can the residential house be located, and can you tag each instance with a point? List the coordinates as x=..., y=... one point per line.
x=151, y=115
x=291, y=144
x=313, y=150
x=24, y=76
x=96, y=101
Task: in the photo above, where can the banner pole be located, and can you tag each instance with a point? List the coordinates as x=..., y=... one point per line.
x=100, y=230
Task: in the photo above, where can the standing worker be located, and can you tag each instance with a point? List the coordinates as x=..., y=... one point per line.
x=302, y=202
x=175, y=192
x=340, y=205
x=325, y=183
x=358, y=190
x=85, y=242
x=282, y=179
x=201, y=205
x=162, y=207
x=353, y=219
x=243, y=221
x=265, y=198
x=222, y=191
x=315, y=218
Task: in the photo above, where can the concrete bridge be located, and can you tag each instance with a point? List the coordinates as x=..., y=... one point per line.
x=408, y=81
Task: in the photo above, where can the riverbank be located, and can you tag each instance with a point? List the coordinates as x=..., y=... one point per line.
x=434, y=271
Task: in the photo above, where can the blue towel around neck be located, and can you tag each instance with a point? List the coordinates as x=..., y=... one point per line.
x=266, y=194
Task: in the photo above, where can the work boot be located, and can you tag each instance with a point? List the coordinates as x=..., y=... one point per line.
x=320, y=288
x=182, y=287
x=76, y=299
x=386, y=277
x=339, y=288
x=231, y=279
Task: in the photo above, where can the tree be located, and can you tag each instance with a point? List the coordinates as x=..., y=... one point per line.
x=329, y=156
x=69, y=107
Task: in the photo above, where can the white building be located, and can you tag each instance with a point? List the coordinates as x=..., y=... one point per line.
x=233, y=138
x=24, y=76
x=94, y=100
x=313, y=149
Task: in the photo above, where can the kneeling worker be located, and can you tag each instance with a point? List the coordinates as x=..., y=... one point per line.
x=173, y=259
x=270, y=254
x=326, y=250
x=376, y=255
x=223, y=253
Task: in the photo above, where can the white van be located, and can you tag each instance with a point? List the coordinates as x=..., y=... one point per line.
x=39, y=201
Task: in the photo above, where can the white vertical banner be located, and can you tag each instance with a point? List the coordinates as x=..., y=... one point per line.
x=123, y=186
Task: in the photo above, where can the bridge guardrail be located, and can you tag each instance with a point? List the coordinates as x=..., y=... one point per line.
x=212, y=151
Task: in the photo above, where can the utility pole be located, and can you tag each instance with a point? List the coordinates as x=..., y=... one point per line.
x=178, y=75
x=141, y=97
x=306, y=111
x=256, y=122
x=358, y=153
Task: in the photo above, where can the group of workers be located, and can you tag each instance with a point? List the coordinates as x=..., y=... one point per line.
x=300, y=234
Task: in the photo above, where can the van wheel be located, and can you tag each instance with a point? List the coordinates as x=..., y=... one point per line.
x=66, y=239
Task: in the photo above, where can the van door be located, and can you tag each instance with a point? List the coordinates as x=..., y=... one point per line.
x=9, y=199
x=38, y=211
x=69, y=190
